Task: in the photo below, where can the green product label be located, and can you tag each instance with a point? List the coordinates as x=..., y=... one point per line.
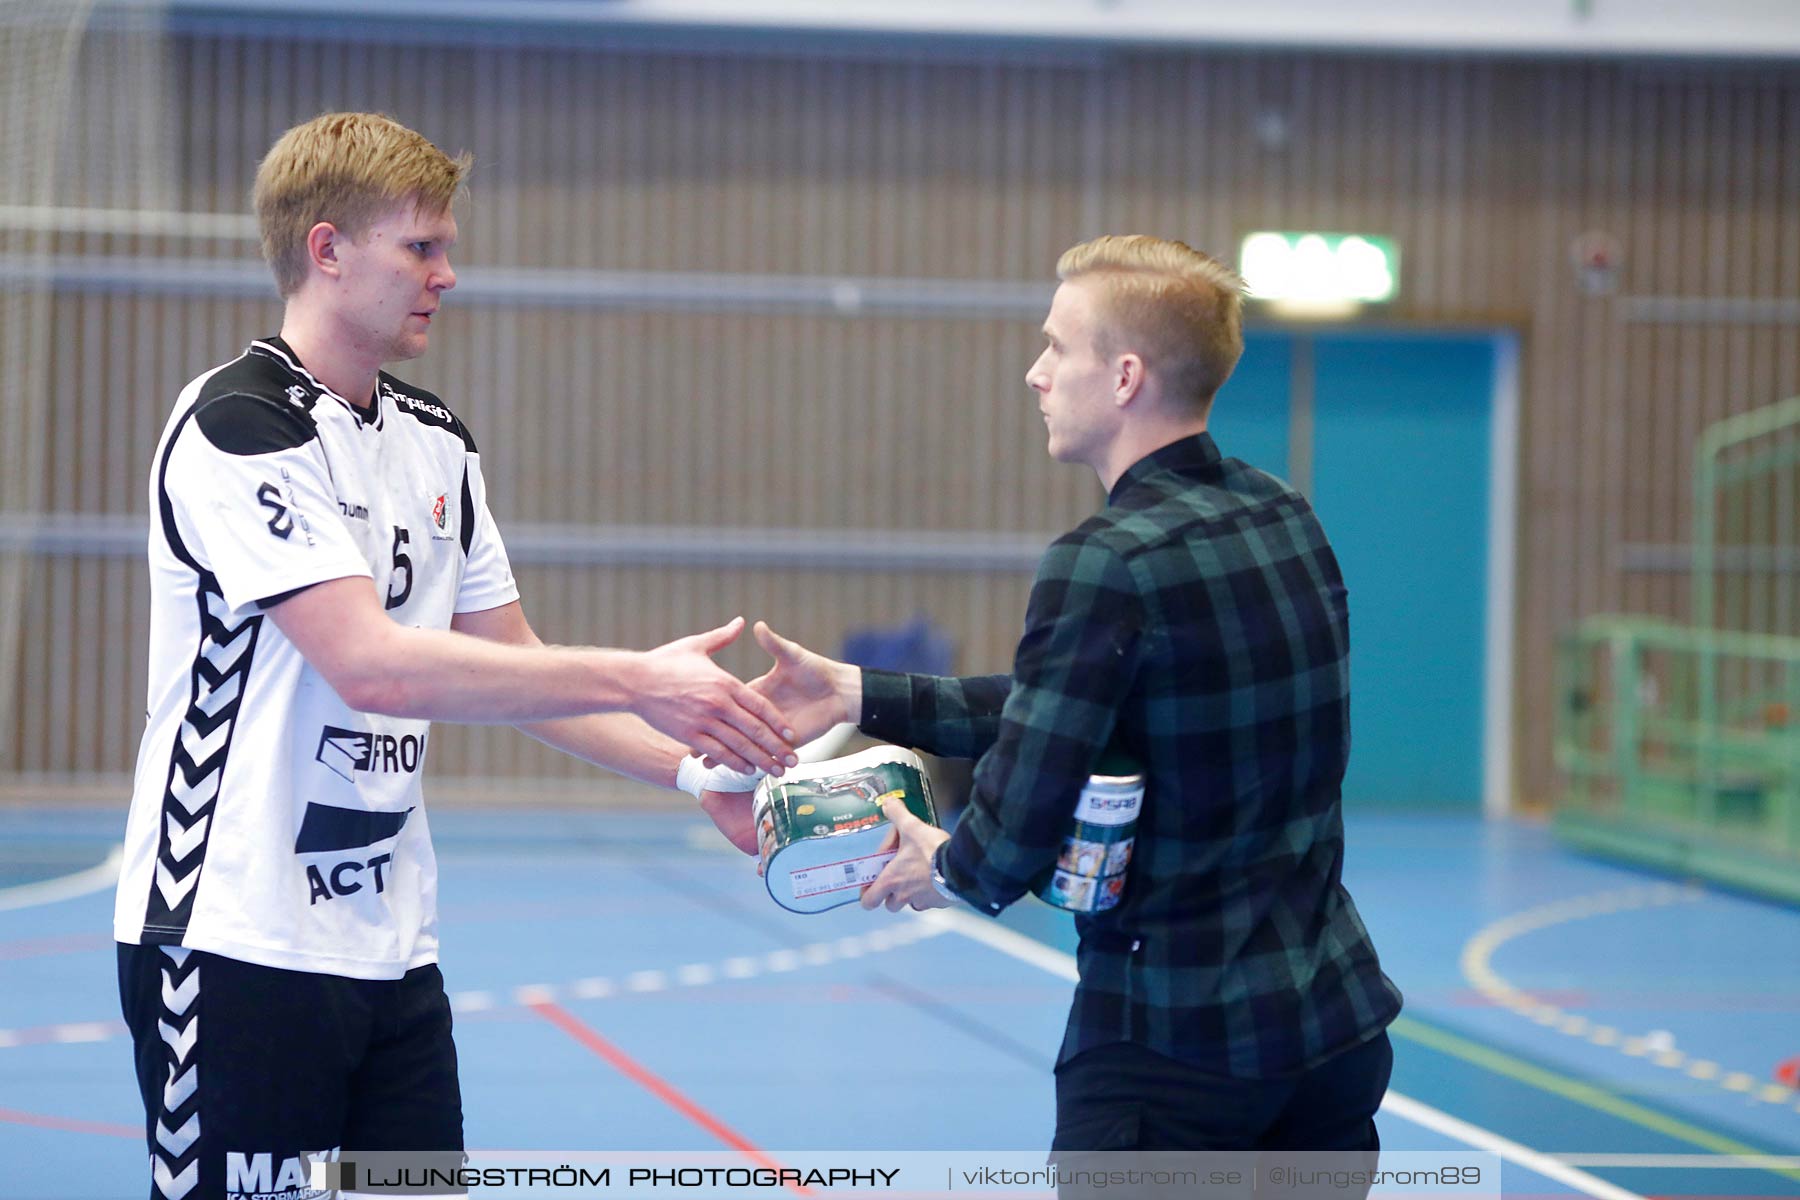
x=822, y=835
x=812, y=808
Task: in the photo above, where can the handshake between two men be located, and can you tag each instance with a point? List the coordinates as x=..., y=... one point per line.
x=816, y=695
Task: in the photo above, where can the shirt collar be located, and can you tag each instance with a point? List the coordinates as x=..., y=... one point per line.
x=369, y=416
x=1196, y=454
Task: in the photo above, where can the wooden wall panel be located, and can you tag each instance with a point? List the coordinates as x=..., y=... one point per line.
x=644, y=606
x=1484, y=170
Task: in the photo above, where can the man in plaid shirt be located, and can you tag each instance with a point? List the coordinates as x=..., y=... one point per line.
x=1199, y=623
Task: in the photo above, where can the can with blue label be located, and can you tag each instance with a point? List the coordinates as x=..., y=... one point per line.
x=1089, y=875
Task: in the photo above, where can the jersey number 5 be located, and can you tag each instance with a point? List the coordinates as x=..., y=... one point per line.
x=403, y=570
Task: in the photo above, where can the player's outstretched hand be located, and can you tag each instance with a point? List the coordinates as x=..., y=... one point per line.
x=907, y=879
x=684, y=693
x=731, y=812
x=815, y=692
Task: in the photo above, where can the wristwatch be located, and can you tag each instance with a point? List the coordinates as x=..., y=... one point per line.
x=937, y=874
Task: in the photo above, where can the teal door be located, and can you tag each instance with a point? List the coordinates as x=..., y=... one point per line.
x=1390, y=435
x=1251, y=416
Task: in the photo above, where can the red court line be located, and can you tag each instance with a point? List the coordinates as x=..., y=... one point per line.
x=67, y=944
x=655, y=1084
x=68, y=1125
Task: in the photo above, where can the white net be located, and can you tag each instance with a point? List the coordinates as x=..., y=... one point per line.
x=39, y=46
x=86, y=132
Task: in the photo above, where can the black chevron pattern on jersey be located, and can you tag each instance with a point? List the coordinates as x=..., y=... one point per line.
x=175, y=1156
x=197, y=760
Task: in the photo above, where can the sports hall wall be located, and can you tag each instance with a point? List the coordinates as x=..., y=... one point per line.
x=826, y=411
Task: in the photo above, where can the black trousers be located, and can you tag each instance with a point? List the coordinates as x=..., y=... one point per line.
x=1123, y=1097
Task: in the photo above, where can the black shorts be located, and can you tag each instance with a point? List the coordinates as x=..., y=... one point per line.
x=250, y=1073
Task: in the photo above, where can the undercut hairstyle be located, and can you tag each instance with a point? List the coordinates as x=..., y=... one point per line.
x=1181, y=311
x=350, y=169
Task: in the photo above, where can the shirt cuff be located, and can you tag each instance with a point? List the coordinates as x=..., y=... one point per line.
x=886, y=704
x=944, y=863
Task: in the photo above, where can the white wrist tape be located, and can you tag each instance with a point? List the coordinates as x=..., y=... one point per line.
x=692, y=777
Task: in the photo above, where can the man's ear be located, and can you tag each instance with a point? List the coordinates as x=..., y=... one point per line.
x=322, y=242
x=1128, y=378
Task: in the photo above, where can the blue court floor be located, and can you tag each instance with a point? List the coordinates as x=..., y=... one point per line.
x=622, y=982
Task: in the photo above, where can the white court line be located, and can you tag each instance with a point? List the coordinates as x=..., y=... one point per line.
x=774, y=962
x=817, y=954
x=1510, y=1151
x=989, y=933
x=1703, y=1162
x=1056, y=962
x=65, y=887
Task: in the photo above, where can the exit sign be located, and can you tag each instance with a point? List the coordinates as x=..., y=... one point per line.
x=1330, y=270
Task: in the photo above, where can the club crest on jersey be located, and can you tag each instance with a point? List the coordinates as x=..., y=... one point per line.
x=440, y=516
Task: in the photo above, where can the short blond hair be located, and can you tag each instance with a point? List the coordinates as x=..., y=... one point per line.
x=1181, y=310
x=350, y=169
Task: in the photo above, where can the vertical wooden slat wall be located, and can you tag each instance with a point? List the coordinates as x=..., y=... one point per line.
x=1484, y=170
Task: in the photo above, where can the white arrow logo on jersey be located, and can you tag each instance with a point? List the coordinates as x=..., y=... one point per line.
x=200, y=748
x=195, y=796
x=219, y=613
x=175, y=890
x=179, y=1088
x=183, y=841
x=176, y=999
x=174, y=1187
x=181, y=1042
x=226, y=693
x=176, y=1143
x=224, y=656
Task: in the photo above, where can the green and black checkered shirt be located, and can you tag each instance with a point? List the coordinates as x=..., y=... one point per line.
x=1199, y=623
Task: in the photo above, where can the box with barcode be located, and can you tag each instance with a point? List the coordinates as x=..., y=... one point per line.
x=821, y=829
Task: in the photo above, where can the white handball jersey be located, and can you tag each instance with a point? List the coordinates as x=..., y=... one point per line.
x=270, y=821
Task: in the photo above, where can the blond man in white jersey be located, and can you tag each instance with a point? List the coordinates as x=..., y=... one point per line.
x=326, y=581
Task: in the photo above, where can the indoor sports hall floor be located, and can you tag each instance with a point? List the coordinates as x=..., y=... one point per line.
x=622, y=982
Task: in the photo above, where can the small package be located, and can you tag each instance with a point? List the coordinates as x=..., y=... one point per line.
x=820, y=827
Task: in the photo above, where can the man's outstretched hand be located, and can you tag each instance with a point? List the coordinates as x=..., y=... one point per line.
x=813, y=692
x=681, y=691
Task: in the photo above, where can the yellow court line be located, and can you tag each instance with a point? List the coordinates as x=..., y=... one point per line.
x=1477, y=968
x=1576, y=1090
